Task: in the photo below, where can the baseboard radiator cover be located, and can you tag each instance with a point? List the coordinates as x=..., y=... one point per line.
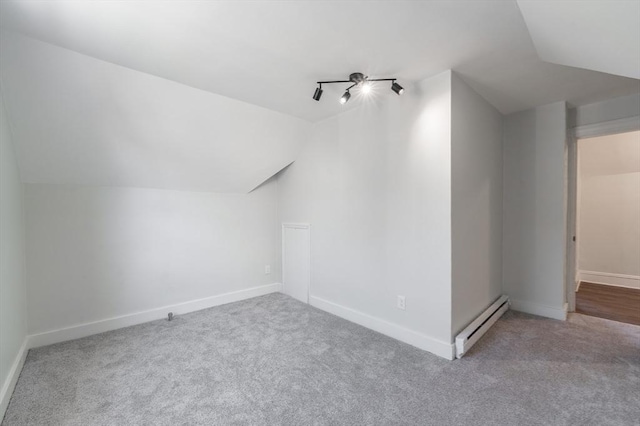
x=474, y=331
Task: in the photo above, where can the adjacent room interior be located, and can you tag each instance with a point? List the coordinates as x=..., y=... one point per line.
x=327, y=213
x=608, y=227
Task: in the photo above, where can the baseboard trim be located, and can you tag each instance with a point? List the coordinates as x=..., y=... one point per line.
x=607, y=278
x=10, y=382
x=88, y=329
x=413, y=338
x=541, y=310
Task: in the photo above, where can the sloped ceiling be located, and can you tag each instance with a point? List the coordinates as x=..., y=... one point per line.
x=271, y=53
x=79, y=120
x=216, y=95
x=595, y=35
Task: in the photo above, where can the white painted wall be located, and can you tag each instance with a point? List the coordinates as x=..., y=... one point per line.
x=95, y=253
x=534, y=215
x=608, y=110
x=582, y=34
x=296, y=261
x=476, y=199
x=82, y=121
x=609, y=207
x=375, y=185
x=13, y=307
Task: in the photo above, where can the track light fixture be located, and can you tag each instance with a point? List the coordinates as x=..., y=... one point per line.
x=396, y=88
x=318, y=93
x=345, y=97
x=358, y=80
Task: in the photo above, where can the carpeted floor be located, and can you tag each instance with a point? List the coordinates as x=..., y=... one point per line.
x=275, y=361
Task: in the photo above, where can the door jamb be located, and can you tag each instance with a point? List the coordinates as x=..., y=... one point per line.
x=576, y=133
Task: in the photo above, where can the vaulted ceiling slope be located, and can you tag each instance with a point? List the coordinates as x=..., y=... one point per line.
x=597, y=35
x=80, y=120
x=216, y=95
x=271, y=53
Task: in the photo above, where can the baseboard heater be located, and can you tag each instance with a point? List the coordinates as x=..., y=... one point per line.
x=470, y=335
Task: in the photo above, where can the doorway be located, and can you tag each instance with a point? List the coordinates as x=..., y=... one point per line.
x=296, y=260
x=607, y=227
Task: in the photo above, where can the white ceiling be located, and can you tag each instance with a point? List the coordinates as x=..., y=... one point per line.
x=216, y=96
x=79, y=120
x=271, y=53
x=598, y=35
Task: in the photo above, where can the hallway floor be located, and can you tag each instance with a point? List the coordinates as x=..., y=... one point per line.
x=605, y=301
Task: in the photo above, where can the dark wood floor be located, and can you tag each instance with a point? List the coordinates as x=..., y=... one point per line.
x=605, y=301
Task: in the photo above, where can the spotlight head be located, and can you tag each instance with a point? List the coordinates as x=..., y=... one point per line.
x=345, y=97
x=317, y=94
x=397, y=88
x=365, y=87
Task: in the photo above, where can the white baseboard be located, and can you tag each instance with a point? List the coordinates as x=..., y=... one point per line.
x=559, y=313
x=10, y=382
x=419, y=340
x=88, y=329
x=607, y=278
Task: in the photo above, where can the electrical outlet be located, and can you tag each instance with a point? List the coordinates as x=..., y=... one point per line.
x=401, y=302
x=267, y=269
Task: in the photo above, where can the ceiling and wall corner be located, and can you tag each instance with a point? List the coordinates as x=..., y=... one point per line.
x=476, y=204
x=375, y=183
x=202, y=95
x=272, y=53
x=534, y=214
x=80, y=120
x=595, y=35
x=624, y=107
x=216, y=97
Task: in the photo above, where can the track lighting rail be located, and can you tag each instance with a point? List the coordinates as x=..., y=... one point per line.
x=350, y=81
x=360, y=80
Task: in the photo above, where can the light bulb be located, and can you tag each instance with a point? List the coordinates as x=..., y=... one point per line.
x=397, y=88
x=345, y=97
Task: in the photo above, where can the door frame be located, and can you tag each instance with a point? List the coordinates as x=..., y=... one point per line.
x=605, y=128
x=290, y=225
x=572, y=221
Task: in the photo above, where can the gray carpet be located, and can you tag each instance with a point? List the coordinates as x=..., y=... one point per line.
x=275, y=361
